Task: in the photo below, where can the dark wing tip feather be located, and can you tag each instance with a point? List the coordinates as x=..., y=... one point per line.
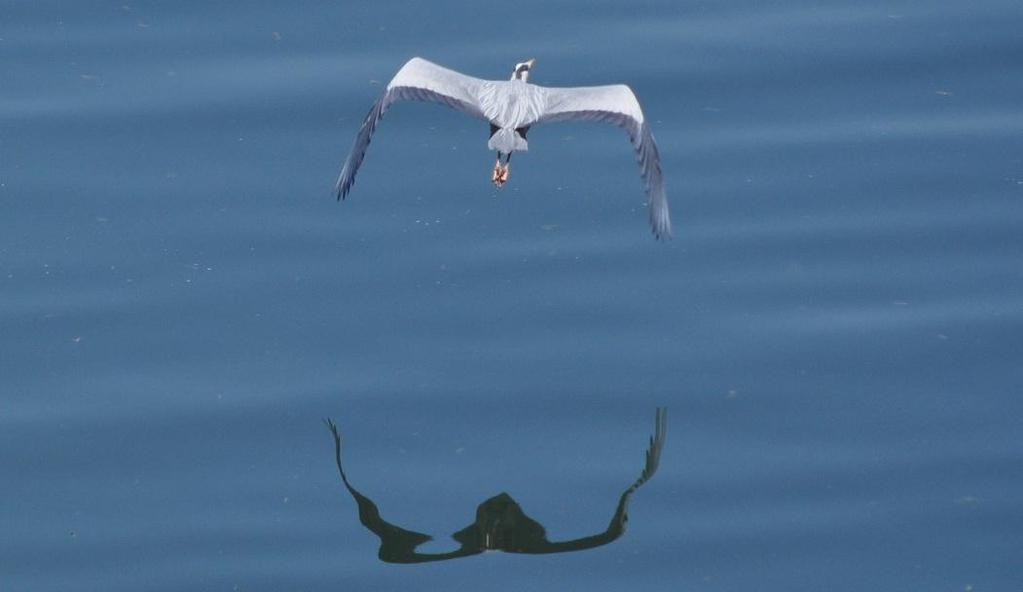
x=649, y=160
x=351, y=166
x=647, y=156
x=358, y=152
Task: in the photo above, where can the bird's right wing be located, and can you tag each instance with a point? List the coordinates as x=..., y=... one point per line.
x=617, y=105
x=418, y=80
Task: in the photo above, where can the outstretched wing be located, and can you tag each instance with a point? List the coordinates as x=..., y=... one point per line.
x=418, y=80
x=617, y=105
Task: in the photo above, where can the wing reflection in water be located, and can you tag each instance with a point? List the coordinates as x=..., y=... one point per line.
x=500, y=522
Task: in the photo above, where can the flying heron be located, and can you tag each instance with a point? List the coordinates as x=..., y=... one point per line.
x=512, y=107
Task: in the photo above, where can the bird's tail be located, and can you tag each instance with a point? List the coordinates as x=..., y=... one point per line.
x=507, y=140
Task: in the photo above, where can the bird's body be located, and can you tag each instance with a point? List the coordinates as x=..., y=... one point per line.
x=511, y=107
x=511, y=103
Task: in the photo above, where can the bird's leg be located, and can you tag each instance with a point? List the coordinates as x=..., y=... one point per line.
x=503, y=176
x=495, y=178
x=497, y=171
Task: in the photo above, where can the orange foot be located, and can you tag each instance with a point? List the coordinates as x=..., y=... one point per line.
x=495, y=178
x=503, y=176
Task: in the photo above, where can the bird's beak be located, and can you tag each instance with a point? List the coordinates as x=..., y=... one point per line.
x=531, y=61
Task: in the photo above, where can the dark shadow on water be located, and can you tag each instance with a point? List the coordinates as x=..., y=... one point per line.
x=500, y=523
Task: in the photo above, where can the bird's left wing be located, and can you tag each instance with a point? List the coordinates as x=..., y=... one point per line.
x=617, y=104
x=418, y=80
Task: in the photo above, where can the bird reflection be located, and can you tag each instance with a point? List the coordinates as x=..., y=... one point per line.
x=500, y=523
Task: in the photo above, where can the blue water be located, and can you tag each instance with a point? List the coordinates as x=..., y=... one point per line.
x=836, y=328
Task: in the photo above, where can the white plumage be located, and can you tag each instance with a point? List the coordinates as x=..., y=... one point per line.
x=511, y=107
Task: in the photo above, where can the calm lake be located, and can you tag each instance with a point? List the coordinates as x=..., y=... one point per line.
x=836, y=328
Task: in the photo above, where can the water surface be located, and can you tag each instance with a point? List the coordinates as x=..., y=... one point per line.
x=837, y=326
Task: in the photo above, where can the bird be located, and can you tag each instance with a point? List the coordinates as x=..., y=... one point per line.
x=511, y=107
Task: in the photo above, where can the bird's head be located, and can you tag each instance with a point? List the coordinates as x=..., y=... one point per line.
x=521, y=71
